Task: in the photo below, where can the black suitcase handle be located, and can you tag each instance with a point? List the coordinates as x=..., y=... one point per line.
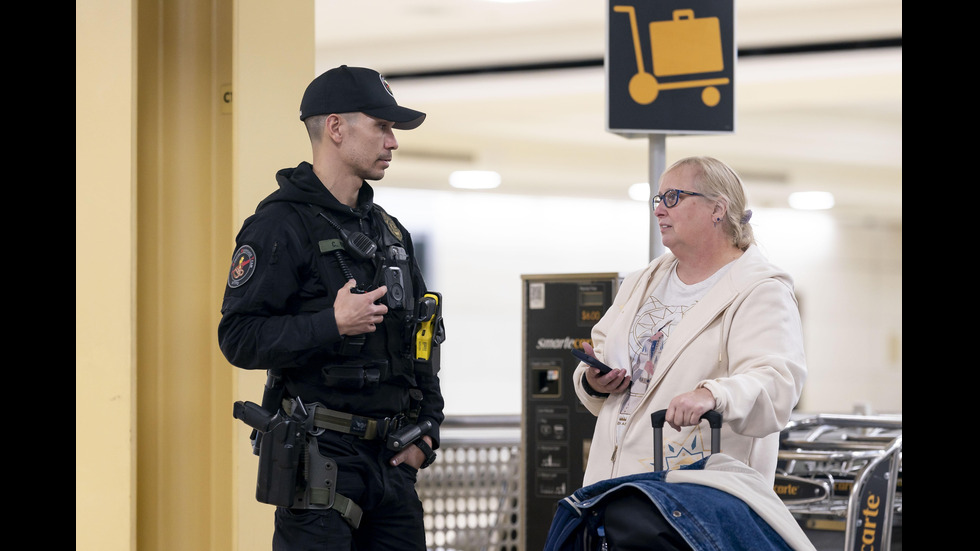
x=658, y=418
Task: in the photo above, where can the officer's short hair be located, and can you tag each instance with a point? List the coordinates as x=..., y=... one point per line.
x=314, y=126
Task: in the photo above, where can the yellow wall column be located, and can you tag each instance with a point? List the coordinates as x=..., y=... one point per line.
x=105, y=264
x=273, y=63
x=184, y=111
x=220, y=83
x=184, y=178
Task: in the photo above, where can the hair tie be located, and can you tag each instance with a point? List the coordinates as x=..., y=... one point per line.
x=747, y=216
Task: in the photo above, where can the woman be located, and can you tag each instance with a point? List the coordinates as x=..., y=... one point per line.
x=711, y=325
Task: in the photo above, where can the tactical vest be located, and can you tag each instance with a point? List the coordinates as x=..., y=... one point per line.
x=386, y=355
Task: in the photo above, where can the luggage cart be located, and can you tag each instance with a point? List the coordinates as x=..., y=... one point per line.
x=683, y=46
x=843, y=473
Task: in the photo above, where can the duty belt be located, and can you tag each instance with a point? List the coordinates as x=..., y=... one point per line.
x=363, y=427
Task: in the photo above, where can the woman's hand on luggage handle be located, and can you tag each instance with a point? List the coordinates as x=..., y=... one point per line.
x=686, y=409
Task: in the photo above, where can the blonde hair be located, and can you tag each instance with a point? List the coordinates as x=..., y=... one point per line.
x=719, y=182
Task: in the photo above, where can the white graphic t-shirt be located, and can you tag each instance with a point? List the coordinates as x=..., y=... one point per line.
x=663, y=309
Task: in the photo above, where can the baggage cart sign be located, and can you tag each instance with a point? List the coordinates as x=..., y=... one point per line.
x=670, y=67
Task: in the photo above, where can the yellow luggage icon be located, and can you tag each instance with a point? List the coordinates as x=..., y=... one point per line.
x=683, y=46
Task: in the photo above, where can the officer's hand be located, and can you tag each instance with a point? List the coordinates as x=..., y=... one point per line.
x=613, y=382
x=686, y=409
x=357, y=313
x=413, y=455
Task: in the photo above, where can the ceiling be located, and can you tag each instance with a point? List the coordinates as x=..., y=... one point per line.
x=814, y=120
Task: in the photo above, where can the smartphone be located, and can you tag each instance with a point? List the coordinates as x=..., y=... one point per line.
x=603, y=368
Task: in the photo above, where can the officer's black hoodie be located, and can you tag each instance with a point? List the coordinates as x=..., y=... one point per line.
x=282, y=316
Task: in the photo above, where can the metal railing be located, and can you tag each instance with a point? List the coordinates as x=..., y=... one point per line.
x=472, y=494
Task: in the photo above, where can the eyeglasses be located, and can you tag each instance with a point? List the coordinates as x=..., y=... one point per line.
x=671, y=197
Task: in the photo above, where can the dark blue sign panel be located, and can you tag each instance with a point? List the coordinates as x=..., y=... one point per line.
x=670, y=66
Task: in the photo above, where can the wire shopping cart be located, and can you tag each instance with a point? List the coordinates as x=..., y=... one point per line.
x=844, y=473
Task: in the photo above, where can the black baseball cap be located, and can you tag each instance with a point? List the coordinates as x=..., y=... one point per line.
x=347, y=89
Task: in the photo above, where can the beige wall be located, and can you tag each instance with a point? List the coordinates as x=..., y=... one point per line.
x=267, y=136
x=105, y=264
x=165, y=173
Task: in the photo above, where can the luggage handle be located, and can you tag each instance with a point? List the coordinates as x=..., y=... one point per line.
x=681, y=15
x=658, y=418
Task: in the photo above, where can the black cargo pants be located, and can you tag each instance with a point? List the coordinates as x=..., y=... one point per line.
x=392, y=517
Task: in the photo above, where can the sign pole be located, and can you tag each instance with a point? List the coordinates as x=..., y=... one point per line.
x=658, y=163
x=670, y=69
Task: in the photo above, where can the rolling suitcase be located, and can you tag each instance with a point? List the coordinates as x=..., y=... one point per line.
x=653, y=512
x=622, y=528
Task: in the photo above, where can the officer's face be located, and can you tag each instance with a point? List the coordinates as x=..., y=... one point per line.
x=369, y=143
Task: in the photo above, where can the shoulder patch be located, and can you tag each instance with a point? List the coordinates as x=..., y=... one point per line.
x=242, y=266
x=392, y=226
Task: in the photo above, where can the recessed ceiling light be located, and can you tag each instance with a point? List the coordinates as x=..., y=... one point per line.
x=640, y=191
x=474, y=179
x=811, y=200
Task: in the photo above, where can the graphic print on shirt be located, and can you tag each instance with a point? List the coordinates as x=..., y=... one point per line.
x=686, y=449
x=648, y=336
x=647, y=339
x=652, y=315
x=666, y=306
x=643, y=368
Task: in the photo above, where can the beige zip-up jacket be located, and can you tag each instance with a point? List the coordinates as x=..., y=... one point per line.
x=743, y=341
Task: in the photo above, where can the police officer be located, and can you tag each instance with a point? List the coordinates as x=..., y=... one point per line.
x=325, y=293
